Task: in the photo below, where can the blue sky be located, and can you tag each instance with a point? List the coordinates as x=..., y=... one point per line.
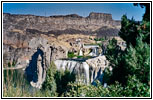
x=82, y=9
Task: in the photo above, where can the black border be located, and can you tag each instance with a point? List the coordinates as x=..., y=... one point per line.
x=76, y=97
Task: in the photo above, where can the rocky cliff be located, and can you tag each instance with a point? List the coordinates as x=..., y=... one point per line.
x=61, y=24
x=18, y=30
x=34, y=41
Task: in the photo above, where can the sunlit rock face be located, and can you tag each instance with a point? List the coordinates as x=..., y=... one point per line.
x=90, y=70
x=40, y=24
x=96, y=67
x=38, y=59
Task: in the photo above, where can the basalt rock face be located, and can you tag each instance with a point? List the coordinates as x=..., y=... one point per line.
x=46, y=25
x=19, y=29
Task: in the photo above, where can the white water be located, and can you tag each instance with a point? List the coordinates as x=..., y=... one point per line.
x=81, y=69
x=89, y=71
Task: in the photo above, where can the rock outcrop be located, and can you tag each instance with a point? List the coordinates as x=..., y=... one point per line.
x=60, y=24
x=36, y=60
x=97, y=66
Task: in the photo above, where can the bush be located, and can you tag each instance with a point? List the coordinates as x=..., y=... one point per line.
x=135, y=88
x=71, y=54
x=16, y=85
x=131, y=67
x=57, y=80
x=99, y=39
x=79, y=56
x=50, y=83
x=62, y=79
x=81, y=90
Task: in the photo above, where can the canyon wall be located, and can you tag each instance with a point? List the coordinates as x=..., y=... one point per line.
x=18, y=30
x=33, y=42
x=60, y=24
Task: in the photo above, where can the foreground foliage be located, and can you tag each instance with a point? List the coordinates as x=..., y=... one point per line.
x=15, y=85
x=131, y=67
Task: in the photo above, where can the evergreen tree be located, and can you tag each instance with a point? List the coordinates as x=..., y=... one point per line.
x=134, y=61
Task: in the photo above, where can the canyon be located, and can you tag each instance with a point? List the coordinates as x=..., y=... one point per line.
x=32, y=42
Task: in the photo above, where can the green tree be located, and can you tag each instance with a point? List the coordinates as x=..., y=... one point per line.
x=129, y=30
x=50, y=84
x=62, y=79
x=132, y=29
x=134, y=61
x=146, y=16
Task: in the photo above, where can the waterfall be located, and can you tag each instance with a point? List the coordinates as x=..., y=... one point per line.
x=87, y=71
x=86, y=68
x=81, y=69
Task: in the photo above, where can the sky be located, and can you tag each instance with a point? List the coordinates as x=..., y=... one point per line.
x=82, y=9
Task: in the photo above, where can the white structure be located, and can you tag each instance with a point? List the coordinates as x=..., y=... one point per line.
x=94, y=49
x=90, y=46
x=94, y=52
x=81, y=52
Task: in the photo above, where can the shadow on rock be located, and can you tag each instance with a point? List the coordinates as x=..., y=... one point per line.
x=33, y=69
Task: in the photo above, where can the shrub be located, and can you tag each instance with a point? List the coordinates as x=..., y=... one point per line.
x=135, y=88
x=16, y=85
x=79, y=56
x=71, y=54
x=62, y=79
x=82, y=90
x=50, y=83
x=131, y=67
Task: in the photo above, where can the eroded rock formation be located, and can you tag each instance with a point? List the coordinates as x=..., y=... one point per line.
x=97, y=66
x=37, y=60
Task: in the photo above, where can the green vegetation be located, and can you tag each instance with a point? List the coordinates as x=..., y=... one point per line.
x=131, y=67
x=11, y=64
x=114, y=90
x=71, y=54
x=62, y=79
x=50, y=83
x=15, y=85
x=56, y=81
x=80, y=56
x=99, y=39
